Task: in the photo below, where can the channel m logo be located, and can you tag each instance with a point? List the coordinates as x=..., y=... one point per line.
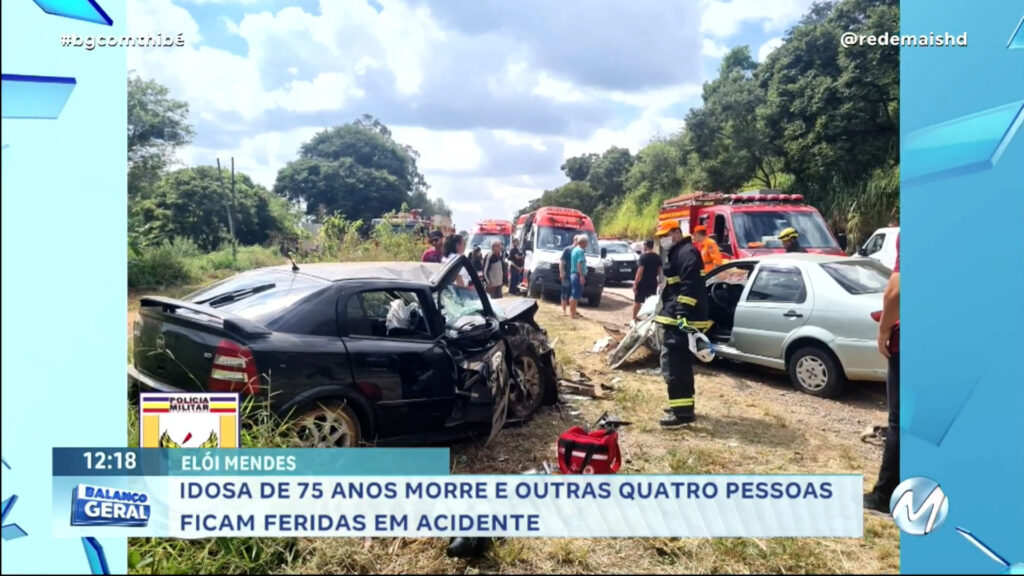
x=919, y=506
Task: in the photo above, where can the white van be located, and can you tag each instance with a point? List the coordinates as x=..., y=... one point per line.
x=881, y=246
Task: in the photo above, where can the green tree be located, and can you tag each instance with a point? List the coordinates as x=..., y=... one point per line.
x=729, y=134
x=193, y=203
x=833, y=113
x=577, y=168
x=356, y=169
x=574, y=194
x=608, y=175
x=157, y=126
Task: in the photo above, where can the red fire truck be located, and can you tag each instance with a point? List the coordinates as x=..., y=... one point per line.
x=748, y=224
x=486, y=232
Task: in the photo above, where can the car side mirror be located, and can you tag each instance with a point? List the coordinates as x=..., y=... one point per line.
x=862, y=251
x=604, y=253
x=841, y=237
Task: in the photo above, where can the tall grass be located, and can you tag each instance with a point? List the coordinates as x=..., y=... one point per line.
x=260, y=429
x=179, y=262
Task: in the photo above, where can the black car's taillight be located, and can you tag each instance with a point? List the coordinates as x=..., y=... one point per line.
x=234, y=369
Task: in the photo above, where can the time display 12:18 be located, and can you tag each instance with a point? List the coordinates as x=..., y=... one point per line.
x=110, y=460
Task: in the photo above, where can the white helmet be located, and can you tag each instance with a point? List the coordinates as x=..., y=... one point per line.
x=701, y=346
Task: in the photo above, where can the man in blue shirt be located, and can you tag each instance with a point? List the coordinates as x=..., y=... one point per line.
x=564, y=273
x=578, y=279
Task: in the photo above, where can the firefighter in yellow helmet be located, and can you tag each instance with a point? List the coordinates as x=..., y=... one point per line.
x=684, y=307
x=791, y=240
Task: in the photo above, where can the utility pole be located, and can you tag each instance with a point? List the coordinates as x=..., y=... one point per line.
x=231, y=221
x=234, y=210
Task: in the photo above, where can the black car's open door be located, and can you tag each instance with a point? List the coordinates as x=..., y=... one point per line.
x=474, y=338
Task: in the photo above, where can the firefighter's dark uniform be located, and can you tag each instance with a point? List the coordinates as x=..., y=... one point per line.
x=794, y=246
x=684, y=302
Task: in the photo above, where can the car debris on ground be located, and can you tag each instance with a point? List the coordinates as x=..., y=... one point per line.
x=643, y=332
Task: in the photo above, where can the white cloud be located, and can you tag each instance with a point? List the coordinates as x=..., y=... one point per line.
x=768, y=47
x=634, y=136
x=714, y=49
x=484, y=94
x=557, y=90
x=441, y=151
x=724, y=18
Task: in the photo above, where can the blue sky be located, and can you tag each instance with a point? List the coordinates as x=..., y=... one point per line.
x=493, y=94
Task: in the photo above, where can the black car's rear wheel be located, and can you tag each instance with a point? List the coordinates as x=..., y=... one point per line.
x=329, y=425
x=527, y=395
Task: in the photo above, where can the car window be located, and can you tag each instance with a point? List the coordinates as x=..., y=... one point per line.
x=386, y=314
x=734, y=275
x=859, y=276
x=457, y=302
x=778, y=284
x=875, y=244
x=262, y=296
x=616, y=248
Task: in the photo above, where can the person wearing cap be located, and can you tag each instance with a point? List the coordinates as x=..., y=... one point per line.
x=433, y=253
x=791, y=240
x=684, y=307
x=709, y=252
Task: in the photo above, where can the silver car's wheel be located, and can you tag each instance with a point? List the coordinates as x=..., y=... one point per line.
x=328, y=426
x=812, y=373
x=816, y=371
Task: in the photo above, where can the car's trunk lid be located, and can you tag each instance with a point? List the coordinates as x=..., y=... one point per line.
x=195, y=347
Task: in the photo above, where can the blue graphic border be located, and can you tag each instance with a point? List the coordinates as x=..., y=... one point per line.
x=963, y=261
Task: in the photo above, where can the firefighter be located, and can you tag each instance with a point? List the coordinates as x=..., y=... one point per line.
x=709, y=252
x=684, y=307
x=791, y=240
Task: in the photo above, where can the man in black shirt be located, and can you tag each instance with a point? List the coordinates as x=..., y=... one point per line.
x=648, y=272
x=516, y=259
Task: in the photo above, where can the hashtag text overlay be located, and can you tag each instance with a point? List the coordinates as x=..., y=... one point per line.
x=137, y=41
x=850, y=39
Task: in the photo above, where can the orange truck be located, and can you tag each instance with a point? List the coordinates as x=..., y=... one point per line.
x=748, y=224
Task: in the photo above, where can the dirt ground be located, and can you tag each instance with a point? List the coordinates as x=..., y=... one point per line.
x=750, y=421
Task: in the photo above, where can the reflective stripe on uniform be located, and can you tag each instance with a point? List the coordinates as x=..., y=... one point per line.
x=686, y=300
x=671, y=279
x=702, y=325
x=680, y=403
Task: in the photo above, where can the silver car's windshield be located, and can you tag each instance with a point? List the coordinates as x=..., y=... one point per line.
x=859, y=275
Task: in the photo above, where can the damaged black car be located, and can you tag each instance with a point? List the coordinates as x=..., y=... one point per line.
x=399, y=353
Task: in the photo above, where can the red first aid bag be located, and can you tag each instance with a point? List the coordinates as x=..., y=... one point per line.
x=582, y=452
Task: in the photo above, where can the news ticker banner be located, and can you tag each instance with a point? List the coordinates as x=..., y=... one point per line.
x=190, y=493
x=962, y=201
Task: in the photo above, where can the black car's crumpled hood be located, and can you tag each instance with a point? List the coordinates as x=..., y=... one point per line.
x=516, y=308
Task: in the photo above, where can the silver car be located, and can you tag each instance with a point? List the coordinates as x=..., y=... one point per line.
x=811, y=315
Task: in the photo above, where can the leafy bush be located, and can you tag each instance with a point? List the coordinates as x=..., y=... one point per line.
x=170, y=262
x=180, y=262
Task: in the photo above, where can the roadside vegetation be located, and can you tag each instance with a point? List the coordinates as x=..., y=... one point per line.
x=812, y=119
